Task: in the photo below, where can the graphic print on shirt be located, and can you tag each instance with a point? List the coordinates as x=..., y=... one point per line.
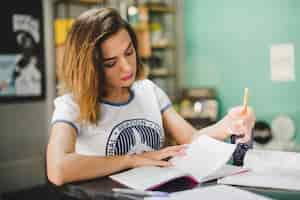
x=134, y=136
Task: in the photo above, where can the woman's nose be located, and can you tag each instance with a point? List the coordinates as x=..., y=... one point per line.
x=124, y=64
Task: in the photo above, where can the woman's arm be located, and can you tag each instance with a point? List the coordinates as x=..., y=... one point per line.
x=184, y=133
x=64, y=165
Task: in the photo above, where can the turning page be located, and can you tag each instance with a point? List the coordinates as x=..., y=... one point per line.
x=204, y=157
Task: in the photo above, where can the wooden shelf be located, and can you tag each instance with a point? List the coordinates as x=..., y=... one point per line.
x=80, y=2
x=161, y=72
x=162, y=47
x=160, y=8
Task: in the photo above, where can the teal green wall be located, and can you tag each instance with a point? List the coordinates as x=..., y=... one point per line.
x=227, y=46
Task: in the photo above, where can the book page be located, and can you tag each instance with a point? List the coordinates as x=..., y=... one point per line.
x=204, y=156
x=226, y=170
x=212, y=192
x=146, y=177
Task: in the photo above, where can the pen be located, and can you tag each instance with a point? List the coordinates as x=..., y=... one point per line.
x=244, y=112
x=246, y=97
x=140, y=192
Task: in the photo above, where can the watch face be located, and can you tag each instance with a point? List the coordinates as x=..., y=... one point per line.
x=283, y=128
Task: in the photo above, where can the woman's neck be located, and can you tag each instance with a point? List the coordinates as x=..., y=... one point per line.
x=117, y=95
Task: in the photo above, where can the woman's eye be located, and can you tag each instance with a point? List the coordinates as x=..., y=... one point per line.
x=109, y=65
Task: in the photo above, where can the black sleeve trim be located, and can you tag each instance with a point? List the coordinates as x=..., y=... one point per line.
x=165, y=108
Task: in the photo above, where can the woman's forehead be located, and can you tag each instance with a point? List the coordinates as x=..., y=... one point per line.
x=116, y=44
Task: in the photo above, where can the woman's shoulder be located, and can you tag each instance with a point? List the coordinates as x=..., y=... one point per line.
x=66, y=100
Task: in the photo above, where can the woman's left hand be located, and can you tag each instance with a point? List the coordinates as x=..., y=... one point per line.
x=240, y=123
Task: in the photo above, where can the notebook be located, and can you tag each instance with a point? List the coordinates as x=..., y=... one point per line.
x=205, y=160
x=212, y=192
x=268, y=169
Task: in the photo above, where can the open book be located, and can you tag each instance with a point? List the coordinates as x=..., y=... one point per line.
x=205, y=160
x=269, y=169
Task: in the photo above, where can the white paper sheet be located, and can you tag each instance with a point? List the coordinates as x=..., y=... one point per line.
x=282, y=62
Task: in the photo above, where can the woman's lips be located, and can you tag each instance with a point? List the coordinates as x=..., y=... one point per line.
x=125, y=78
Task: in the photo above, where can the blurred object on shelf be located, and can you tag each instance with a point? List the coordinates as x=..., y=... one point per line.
x=91, y=1
x=186, y=108
x=201, y=93
x=156, y=32
x=283, y=135
x=262, y=132
x=160, y=7
x=199, y=106
x=140, y=24
x=61, y=28
x=133, y=15
x=155, y=61
x=65, y=12
x=161, y=72
x=156, y=24
x=283, y=128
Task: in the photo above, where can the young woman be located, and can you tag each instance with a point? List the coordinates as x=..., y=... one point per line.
x=110, y=118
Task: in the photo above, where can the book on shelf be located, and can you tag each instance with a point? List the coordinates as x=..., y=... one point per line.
x=206, y=159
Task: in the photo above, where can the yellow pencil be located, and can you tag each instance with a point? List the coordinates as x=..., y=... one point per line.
x=246, y=98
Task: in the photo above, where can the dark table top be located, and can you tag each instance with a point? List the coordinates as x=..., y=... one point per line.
x=95, y=189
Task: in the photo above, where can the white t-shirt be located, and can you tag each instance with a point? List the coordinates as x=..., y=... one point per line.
x=124, y=128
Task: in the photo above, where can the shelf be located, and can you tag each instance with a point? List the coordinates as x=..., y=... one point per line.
x=80, y=2
x=199, y=122
x=161, y=72
x=162, y=46
x=159, y=8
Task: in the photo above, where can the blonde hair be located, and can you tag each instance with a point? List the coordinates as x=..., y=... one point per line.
x=82, y=70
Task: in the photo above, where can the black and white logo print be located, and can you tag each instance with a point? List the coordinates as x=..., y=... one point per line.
x=133, y=137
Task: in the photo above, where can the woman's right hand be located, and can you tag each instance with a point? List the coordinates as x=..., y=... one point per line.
x=156, y=158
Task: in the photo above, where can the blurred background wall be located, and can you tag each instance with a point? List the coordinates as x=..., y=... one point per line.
x=24, y=125
x=228, y=47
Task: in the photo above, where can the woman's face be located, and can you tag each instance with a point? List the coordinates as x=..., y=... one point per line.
x=119, y=60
